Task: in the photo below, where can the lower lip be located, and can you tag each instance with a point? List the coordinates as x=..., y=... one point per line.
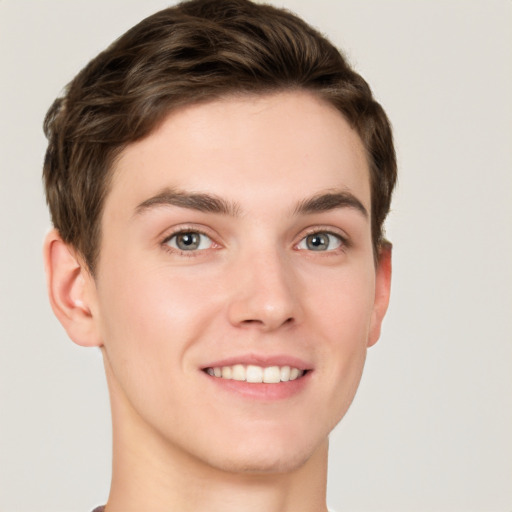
x=262, y=391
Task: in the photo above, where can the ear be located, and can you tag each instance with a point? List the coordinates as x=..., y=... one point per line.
x=71, y=290
x=382, y=292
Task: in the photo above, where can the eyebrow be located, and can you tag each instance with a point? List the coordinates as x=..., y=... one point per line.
x=210, y=203
x=330, y=200
x=194, y=201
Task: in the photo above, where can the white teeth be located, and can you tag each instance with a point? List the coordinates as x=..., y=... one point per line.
x=294, y=373
x=256, y=374
x=285, y=373
x=238, y=372
x=272, y=374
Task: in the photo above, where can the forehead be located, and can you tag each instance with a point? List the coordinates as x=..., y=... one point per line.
x=246, y=148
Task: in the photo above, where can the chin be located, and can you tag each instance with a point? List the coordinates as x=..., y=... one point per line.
x=273, y=458
x=261, y=466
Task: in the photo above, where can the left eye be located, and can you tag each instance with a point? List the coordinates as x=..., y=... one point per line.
x=321, y=241
x=189, y=241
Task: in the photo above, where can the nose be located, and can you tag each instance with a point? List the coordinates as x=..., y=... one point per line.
x=263, y=292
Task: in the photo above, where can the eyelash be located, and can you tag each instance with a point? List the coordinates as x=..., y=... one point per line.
x=344, y=241
x=182, y=231
x=319, y=230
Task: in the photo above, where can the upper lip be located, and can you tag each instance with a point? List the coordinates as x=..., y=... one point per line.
x=261, y=360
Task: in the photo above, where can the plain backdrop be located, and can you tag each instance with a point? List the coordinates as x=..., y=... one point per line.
x=431, y=426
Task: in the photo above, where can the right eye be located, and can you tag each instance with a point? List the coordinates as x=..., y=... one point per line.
x=189, y=241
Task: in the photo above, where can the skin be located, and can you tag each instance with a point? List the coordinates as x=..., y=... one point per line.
x=255, y=288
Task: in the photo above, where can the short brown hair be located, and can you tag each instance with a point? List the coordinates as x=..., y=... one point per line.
x=196, y=51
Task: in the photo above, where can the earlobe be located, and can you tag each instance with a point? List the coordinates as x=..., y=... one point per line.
x=70, y=290
x=382, y=292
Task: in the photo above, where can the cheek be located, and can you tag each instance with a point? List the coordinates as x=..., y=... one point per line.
x=143, y=312
x=153, y=314
x=148, y=322
x=343, y=311
x=342, y=303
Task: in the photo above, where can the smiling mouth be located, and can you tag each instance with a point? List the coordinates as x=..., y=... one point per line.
x=256, y=374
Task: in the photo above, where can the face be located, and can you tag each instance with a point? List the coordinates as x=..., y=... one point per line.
x=236, y=247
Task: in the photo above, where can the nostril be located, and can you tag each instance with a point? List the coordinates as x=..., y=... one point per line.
x=256, y=322
x=263, y=309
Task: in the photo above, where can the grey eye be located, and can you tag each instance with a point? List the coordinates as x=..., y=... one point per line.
x=320, y=241
x=190, y=241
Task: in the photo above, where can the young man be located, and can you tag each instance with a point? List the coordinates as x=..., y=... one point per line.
x=218, y=180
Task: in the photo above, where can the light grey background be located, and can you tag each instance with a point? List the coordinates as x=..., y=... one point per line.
x=431, y=427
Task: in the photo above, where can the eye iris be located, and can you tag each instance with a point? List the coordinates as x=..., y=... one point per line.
x=188, y=241
x=317, y=242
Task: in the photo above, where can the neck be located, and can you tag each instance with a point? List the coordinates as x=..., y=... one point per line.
x=150, y=473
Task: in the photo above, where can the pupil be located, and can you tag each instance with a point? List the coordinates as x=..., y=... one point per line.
x=188, y=240
x=317, y=242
